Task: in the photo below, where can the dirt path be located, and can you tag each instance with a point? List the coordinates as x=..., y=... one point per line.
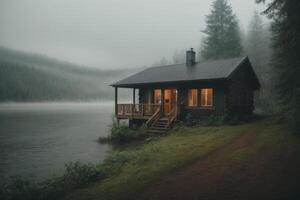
x=268, y=173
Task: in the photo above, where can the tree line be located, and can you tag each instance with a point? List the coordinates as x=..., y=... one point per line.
x=23, y=83
x=26, y=77
x=273, y=48
x=285, y=60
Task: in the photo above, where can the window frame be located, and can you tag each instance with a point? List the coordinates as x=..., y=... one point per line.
x=188, y=97
x=199, y=98
x=207, y=97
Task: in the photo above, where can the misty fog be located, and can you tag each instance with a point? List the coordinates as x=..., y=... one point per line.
x=109, y=34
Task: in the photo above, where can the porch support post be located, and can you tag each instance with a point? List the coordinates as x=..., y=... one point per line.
x=133, y=95
x=162, y=101
x=116, y=101
x=142, y=101
x=133, y=106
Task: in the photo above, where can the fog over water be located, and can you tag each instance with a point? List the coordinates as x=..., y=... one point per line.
x=109, y=34
x=37, y=139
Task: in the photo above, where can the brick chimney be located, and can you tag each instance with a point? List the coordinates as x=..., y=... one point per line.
x=190, y=57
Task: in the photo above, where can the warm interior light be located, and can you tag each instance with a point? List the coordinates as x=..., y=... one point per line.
x=193, y=97
x=157, y=96
x=207, y=97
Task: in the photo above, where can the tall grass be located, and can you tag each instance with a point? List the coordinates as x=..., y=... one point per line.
x=75, y=175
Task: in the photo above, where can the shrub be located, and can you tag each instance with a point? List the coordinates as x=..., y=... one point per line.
x=213, y=121
x=120, y=133
x=189, y=120
x=76, y=175
x=17, y=188
x=205, y=121
x=114, y=162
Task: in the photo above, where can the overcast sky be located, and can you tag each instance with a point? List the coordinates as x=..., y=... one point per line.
x=109, y=33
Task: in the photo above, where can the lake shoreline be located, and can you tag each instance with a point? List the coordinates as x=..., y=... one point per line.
x=187, y=154
x=37, y=139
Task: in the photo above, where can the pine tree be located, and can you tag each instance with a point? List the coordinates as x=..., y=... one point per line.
x=222, y=33
x=286, y=59
x=179, y=57
x=257, y=47
x=256, y=39
x=163, y=61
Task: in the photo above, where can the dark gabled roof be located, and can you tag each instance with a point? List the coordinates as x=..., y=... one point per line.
x=211, y=70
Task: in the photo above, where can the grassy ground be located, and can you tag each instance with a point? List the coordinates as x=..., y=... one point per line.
x=261, y=163
x=236, y=156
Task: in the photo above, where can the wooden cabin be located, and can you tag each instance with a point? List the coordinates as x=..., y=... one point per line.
x=168, y=93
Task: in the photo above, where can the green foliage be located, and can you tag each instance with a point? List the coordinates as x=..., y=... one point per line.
x=121, y=133
x=213, y=121
x=285, y=59
x=205, y=121
x=18, y=188
x=222, y=30
x=25, y=83
x=30, y=77
x=124, y=174
x=113, y=163
x=189, y=120
x=76, y=175
x=144, y=165
x=258, y=47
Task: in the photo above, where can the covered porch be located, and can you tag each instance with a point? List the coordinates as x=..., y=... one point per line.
x=162, y=102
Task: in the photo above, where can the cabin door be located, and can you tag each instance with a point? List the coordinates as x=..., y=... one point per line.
x=170, y=100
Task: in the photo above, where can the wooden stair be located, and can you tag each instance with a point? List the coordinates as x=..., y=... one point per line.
x=161, y=126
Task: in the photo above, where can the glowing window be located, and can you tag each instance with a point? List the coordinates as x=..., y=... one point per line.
x=157, y=96
x=207, y=97
x=193, y=97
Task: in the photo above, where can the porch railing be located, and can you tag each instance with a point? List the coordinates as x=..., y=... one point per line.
x=136, y=110
x=172, y=116
x=154, y=118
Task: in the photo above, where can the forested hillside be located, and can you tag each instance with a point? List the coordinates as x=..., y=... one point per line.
x=31, y=77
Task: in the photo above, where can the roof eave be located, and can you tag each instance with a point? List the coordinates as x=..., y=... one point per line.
x=134, y=85
x=238, y=66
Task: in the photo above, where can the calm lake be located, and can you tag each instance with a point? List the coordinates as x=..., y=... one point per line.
x=37, y=139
